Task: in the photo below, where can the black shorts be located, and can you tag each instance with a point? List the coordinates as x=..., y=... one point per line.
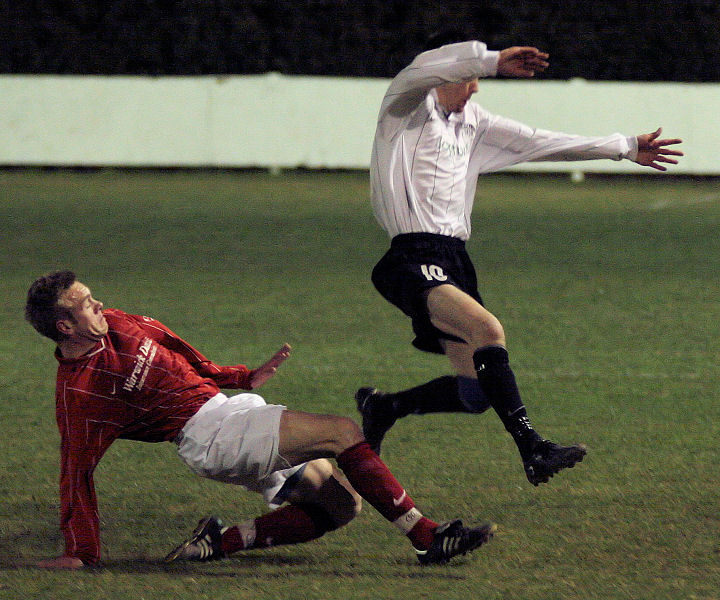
x=415, y=263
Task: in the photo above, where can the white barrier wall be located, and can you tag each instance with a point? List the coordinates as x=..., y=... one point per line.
x=277, y=121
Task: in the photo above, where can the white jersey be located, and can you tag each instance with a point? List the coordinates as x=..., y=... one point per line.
x=425, y=162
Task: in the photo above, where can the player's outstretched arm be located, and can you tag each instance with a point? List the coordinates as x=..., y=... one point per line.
x=652, y=151
x=522, y=61
x=61, y=562
x=264, y=372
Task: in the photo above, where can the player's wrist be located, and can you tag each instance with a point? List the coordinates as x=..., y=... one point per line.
x=633, y=148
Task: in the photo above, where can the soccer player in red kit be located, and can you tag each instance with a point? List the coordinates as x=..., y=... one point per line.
x=130, y=377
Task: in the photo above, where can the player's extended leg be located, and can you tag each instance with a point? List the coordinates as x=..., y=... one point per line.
x=305, y=436
x=455, y=312
x=321, y=500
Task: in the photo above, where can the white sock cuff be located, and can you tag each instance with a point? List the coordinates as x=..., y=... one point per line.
x=407, y=521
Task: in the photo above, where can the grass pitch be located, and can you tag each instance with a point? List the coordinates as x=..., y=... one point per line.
x=608, y=294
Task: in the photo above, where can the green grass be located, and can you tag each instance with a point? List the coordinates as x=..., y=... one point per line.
x=608, y=294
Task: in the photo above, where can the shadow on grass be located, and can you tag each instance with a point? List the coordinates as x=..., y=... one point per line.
x=247, y=567
x=21, y=549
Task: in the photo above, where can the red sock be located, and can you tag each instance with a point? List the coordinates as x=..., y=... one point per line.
x=290, y=524
x=371, y=478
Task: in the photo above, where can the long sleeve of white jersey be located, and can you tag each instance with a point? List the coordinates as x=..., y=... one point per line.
x=503, y=142
x=451, y=63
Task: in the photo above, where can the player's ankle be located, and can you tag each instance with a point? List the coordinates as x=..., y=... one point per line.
x=421, y=535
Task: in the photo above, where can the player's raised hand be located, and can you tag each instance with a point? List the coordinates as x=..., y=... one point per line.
x=264, y=372
x=522, y=61
x=652, y=150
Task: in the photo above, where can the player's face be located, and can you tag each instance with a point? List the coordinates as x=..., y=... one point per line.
x=454, y=96
x=88, y=321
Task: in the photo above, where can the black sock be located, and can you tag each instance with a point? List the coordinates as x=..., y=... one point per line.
x=498, y=383
x=438, y=395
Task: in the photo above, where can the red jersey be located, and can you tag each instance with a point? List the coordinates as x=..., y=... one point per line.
x=141, y=382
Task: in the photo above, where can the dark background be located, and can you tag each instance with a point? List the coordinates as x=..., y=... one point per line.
x=660, y=40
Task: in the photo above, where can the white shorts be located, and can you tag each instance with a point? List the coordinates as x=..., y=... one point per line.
x=235, y=440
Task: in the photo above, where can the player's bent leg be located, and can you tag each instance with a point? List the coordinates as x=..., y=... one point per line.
x=302, y=437
x=457, y=313
x=459, y=393
x=321, y=501
x=306, y=436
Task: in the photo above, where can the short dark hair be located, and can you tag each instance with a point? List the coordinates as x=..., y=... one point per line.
x=444, y=37
x=41, y=309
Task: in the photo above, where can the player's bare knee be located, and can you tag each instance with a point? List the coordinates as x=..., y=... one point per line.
x=316, y=473
x=326, y=488
x=487, y=331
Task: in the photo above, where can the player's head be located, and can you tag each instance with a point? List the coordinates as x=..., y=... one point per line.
x=453, y=96
x=42, y=309
x=60, y=307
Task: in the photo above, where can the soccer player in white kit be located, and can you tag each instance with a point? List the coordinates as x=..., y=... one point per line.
x=431, y=144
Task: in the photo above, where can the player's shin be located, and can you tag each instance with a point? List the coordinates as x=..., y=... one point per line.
x=497, y=382
x=371, y=478
x=444, y=394
x=290, y=524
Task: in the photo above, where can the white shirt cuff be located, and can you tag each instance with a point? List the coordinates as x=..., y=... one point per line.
x=491, y=62
x=633, y=148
